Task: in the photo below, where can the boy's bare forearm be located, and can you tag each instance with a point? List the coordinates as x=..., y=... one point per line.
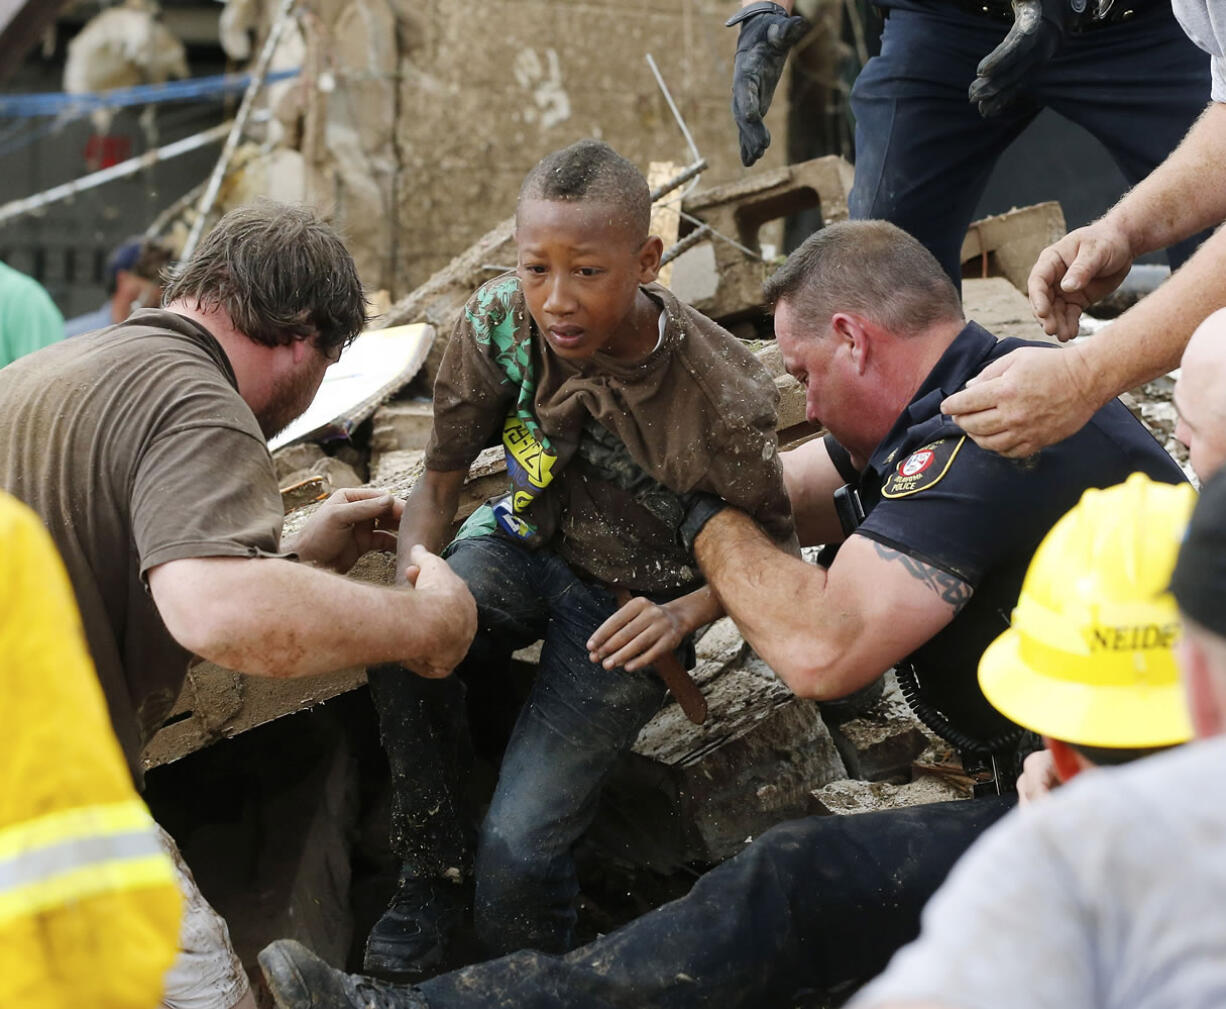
x=428, y=513
x=694, y=609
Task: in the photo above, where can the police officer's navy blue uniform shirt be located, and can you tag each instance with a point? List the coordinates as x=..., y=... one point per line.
x=931, y=493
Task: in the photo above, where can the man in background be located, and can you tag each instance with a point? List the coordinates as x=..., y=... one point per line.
x=133, y=280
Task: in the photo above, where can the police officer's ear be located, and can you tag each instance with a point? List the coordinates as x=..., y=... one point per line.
x=1066, y=760
x=853, y=338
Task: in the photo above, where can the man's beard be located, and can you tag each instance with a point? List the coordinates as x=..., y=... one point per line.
x=289, y=401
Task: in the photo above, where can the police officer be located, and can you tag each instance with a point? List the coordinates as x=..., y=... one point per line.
x=870, y=325
x=1123, y=70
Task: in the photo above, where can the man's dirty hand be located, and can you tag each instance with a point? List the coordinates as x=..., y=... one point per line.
x=636, y=635
x=1025, y=401
x=1037, y=32
x=1074, y=273
x=1038, y=777
x=453, y=613
x=348, y=524
x=767, y=33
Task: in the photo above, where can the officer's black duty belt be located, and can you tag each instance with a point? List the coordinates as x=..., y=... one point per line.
x=1000, y=10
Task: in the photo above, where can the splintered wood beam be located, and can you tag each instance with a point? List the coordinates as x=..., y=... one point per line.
x=22, y=23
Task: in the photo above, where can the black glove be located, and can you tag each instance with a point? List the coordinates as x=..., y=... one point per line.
x=700, y=509
x=1039, y=29
x=767, y=33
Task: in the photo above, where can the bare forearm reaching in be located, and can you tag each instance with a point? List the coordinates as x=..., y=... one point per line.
x=428, y=512
x=1033, y=397
x=271, y=617
x=825, y=633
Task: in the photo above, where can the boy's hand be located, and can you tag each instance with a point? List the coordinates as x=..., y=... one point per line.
x=636, y=635
x=350, y=523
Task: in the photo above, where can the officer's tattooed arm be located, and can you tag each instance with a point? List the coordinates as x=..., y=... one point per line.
x=825, y=632
x=950, y=588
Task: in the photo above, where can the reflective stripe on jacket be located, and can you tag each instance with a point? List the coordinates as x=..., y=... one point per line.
x=89, y=909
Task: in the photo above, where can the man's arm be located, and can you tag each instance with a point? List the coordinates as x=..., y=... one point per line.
x=270, y=617
x=428, y=511
x=1176, y=200
x=811, y=478
x=1031, y=398
x=825, y=633
x=353, y=521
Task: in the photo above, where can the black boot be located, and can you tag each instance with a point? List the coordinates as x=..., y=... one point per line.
x=298, y=979
x=416, y=929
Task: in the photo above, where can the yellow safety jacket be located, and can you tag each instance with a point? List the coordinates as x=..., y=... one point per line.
x=89, y=909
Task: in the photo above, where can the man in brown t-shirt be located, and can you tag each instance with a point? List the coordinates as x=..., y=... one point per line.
x=615, y=403
x=143, y=452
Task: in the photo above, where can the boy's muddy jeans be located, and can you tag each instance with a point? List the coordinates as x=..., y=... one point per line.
x=578, y=719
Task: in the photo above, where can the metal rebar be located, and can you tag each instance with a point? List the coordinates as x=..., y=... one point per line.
x=688, y=242
x=680, y=179
x=685, y=130
x=236, y=131
x=174, y=210
x=130, y=167
x=720, y=235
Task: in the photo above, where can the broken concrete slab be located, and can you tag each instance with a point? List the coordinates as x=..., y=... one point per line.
x=296, y=458
x=1001, y=309
x=883, y=740
x=1008, y=244
x=843, y=798
x=740, y=210
x=338, y=473
x=402, y=425
x=697, y=793
x=301, y=489
x=397, y=467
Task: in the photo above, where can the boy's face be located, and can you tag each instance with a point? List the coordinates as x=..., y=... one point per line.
x=580, y=265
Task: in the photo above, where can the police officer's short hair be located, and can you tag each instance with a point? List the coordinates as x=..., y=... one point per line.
x=870, y=268
x=591, y=170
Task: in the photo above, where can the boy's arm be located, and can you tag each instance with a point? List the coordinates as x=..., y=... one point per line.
x=641, y=631
x=428, y=512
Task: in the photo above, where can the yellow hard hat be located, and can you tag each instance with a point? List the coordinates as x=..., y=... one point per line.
x=1089, y=657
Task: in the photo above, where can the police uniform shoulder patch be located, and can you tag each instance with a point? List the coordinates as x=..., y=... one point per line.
x=922, y=468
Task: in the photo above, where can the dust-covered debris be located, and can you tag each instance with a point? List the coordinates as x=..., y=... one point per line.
x=851, y=796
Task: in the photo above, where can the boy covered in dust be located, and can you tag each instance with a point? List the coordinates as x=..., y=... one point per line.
x=618, y=406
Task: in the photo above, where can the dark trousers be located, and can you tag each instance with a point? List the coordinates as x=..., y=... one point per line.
x=578, y=719
x=924, y=154
x=810, y=905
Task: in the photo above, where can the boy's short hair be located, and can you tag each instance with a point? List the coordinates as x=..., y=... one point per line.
x=280, y=273
x=591, y=170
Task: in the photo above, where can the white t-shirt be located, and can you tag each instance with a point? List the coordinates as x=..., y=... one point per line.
x=1109, y=894
x=1204, y=22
